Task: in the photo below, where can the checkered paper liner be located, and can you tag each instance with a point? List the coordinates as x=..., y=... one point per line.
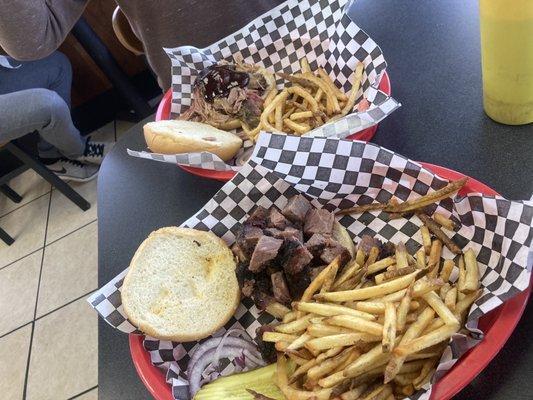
x=338, y=174
x=320, y=30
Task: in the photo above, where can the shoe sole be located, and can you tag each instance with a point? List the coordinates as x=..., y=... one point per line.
x=81, y=180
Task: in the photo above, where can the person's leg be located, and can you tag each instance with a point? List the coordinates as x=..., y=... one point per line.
x=44, y=111
x=53, y=72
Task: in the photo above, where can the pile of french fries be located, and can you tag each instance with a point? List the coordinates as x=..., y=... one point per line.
x=312, y=100
x=376, y=329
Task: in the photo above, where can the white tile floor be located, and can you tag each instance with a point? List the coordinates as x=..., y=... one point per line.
x=48, y=333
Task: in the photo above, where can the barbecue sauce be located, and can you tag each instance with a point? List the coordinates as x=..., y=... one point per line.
x=218, y=80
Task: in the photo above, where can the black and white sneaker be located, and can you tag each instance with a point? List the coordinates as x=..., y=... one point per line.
x=73, y=170
x=95, y=151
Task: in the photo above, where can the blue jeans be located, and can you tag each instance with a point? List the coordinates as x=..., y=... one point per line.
x=36, y=97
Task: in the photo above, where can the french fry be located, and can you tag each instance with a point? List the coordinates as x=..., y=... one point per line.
x=302, y=369
x=289, y=317
x=317, y=283
x=464, y=304
x=298, y=359
x=300, y=341
x=361, y=209
x=405, y=379
x=444, y=290
x=304, y=64
x=299, y=129
x=373, y=358
x=296, y=326
x=461, y=280
x=352, y=97
x=423, y=342
x=355, y=393
x=471, y=282
x=393, y=274
x=349, y=271
x=446, y=271
x=318, y=95
x=426, y=238
x=305, y=95
x=425, y=285
x=430, y=198
x=320, y=330
x=356, y=323
x=301, y=115
x=360, y=257
x=444, y=222
x=325, y=367
x=282, y=382
x=330, y=278
x=396, y=362
x=369, y=292
x=435, y=228
x=394, y=297
x=279, y=99
x=403, y=309
x=372, y=257
x=278, y=117
x=380, y=265
x=421, y=258
x=277, y=310
x=278, y=337
x=451, y=298
x=325, y=77
x=440, y=308
x=389, y=328
x=329, y=310
x=434, y=258
x=401, y=256
x=343, y=339
x=332, y=104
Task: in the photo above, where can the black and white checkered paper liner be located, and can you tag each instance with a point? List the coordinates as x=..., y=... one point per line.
x=338, y=174
x=322, y=31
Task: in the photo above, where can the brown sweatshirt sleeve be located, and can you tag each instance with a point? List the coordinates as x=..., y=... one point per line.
x=32, y=29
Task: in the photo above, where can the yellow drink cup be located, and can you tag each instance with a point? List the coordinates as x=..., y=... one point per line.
x=507, y=60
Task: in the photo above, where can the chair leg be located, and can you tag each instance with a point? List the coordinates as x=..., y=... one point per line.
x=4, y=236
x=32, y=162
x=10, y=193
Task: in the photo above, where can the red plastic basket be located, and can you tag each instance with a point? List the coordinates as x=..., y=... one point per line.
x=497, y=325
x=163, y=112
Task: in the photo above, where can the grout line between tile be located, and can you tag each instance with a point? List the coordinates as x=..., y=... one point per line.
x=82, y=393
x=16, y=329
x=25, y=391
x=29, y=254
x=66, y=304
x=25, y=204
x=75, y=230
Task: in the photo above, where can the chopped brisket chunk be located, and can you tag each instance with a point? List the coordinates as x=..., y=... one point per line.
x=266, y=250
x=277, y=220
x=248, y=287
x=318, y=221
x=258, y=217
x=267, y=349
x=295, y=256
x=237, y=252
x=280, y=288
x=367, y=242
x=298, y=282
x=287, y=233
x=247, y=239
x=386, y=250
x=334, y=249
x=296, y=208
x=317, y=243
x=314, y=271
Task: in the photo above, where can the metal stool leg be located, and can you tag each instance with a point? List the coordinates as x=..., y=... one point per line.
x=10, y=193
x=6, y=238
x=52, y=178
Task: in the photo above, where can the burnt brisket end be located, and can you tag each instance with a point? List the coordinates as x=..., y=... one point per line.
x=280, y=288
x=318, y=221
x=334, y=250
x=267, y=349
x=296, y=208
x=295, y=256
x=287, y=233
x=258, y=217
x=298, y=282
x=266, y=250
x=316, y=244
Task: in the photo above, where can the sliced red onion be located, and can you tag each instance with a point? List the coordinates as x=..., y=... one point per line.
x=195, y=377
x=254, y=357
x=223, y=342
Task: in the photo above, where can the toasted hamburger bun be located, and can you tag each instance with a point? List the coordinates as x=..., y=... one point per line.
x=341, y=235
x=176, y=136
x=181, y=285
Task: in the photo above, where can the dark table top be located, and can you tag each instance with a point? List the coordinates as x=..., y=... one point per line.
x=432, y=49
